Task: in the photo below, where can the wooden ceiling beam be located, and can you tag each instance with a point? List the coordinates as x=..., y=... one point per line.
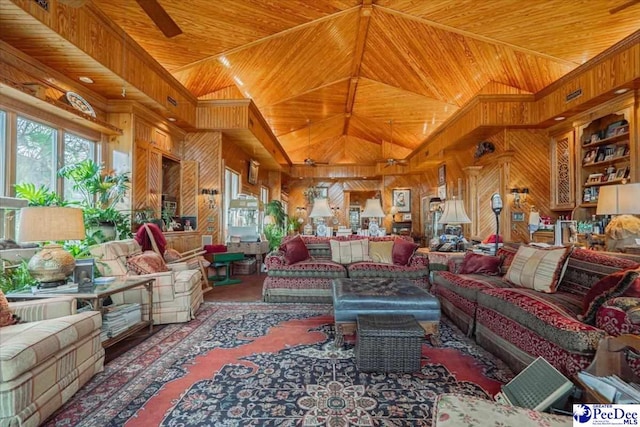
x=265, y=39
x=361, y=41
x=476, y=36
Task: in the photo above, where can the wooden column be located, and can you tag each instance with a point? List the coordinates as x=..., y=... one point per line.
x=472, y=198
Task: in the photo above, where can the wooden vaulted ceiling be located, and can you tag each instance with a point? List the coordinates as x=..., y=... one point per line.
x=372, y=78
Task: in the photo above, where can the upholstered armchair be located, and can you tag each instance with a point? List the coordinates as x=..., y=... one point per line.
x=177, y=291
x=46, y=358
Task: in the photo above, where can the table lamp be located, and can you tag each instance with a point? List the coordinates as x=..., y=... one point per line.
x=454, y=214
x=321, y=210
x=624, y=202
x=52, y=265
x=373, y=211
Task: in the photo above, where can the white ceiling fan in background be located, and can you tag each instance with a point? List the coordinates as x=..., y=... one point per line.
x=309, y=161
x=391, y=161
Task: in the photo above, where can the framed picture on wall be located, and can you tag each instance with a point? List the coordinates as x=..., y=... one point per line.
x=402, y=199
x=253, y=172
x=442, y=175
x=322, y=192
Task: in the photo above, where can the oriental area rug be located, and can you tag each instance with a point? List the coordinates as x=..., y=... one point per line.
x=258, y=364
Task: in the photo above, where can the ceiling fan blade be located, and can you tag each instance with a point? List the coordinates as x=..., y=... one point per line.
x=623, y=6
x=160, y=17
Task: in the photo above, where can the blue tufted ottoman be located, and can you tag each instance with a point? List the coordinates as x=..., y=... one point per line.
x=352, y=297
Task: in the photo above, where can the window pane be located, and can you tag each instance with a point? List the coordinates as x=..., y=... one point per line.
x=35, y=153
x=3, y=150
x=76, y=149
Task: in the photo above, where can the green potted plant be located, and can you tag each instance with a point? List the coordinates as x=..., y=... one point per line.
x=98, y=195
x=276, y=230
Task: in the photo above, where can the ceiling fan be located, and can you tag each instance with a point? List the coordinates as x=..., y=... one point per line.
x=160, y=17
x=152, y=8
x=392, y=161
x=623, y=6
x=309, y=161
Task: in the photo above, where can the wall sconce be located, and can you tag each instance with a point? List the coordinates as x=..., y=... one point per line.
x=393, y=211
x=519, y=196
x=211, y=193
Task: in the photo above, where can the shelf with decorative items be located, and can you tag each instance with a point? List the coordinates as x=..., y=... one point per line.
x=604, y=156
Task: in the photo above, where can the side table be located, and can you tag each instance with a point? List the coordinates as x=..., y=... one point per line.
x=251, y=248
x=95, y=297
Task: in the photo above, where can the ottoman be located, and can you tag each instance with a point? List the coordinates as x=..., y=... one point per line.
x=388, y=343
x=352, y=297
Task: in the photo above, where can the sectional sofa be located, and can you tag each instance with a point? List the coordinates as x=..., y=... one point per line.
x=309, y=279
x=598, y=295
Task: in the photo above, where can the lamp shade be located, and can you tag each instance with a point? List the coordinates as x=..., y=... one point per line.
x=619, y=199
x=372, y=209
x=50, y=223
x=393, y=210
x=320, y=209
x=454, y=213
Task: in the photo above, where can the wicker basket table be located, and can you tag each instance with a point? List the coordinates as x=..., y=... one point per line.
x=388, y=343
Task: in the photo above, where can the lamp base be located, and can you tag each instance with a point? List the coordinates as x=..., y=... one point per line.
x=51, y=264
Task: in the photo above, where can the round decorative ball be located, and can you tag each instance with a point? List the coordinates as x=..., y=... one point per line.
x=51, y=264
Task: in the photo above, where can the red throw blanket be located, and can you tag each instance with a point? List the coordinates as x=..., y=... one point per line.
x=142, y=237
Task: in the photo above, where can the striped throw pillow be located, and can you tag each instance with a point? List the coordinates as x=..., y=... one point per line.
x=538, y=269
x=349, y=251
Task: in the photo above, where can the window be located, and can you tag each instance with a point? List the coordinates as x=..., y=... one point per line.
x=76, y=149
x=36, y=153
x=264, y=198
x=231, y=191
x=3, y=151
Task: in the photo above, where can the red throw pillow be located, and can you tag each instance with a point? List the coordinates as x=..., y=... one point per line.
x=480, y=264
x=6, y=315
x=294, y=250
x=146, y=263
x=621, y=283
x=402, y=251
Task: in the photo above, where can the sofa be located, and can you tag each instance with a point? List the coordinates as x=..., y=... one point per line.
x=45, y=358
x=177, y=291
x=564, y=324
x=309, y=279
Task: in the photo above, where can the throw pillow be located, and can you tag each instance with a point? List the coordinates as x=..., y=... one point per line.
x=6, y=314
x=402, y=251
x=349, y=251
x=621, y=283
x=381, y=252
x=295, y=250
x=480, y=264
x=538, y=269
x=171, y=255
x=146, y=263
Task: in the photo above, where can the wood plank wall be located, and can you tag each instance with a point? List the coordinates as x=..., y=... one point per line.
x=206, y=148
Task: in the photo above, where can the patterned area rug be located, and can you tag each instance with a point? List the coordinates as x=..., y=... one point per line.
x=256, y=364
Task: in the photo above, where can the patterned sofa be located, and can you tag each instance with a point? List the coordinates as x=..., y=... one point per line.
x=310, y=280
x=46, y=358
x=177, y=291
x=519, y=324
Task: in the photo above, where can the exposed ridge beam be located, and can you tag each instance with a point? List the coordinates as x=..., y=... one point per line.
x=361, y=40
x=264, y=39
x=476, y=36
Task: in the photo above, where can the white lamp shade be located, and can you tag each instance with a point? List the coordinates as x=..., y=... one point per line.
x=454, y=213
x=372, y=209
x=320, y=209
x=619, y=199
x=50, y=223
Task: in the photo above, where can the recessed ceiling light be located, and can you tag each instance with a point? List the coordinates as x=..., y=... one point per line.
x=171, y=119
x=621, y=90
x=559, y=118
x=85, y=79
